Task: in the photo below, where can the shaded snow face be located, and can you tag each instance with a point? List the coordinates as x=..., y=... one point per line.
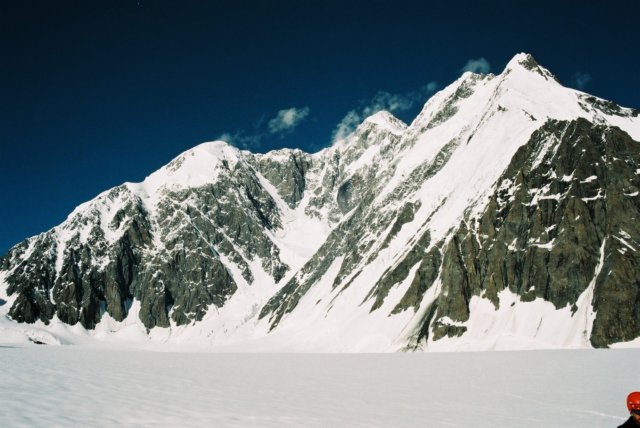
x=502, y=217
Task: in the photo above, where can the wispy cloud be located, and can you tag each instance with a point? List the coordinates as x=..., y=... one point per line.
x=242, y=139
x=480, y=65
x=581, y=79
x=382, y=100
x=348, y=123
x=287, y=119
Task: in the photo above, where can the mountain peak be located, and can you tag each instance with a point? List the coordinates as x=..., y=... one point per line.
x=386, y=119
x=523, y=59
x=220, y=149
x=195, y=167
x=526, y=62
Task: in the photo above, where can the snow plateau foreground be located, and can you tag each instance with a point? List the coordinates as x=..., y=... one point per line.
x=68, y=386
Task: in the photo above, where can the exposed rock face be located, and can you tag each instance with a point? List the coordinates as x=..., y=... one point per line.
x=32, y=282
x=562, y=220
x=169, y=262
x=492, y=191
x=287, y=172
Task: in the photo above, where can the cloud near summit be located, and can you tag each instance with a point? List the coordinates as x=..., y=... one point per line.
x=382, y=100
x=287, y=119
x=480, y=65
x=581, y=79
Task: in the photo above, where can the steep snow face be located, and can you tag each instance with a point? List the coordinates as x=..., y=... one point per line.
x=196, y=167
x=487, y=119
x=341, y=250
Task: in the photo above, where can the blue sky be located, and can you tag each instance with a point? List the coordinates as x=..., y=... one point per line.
x=96, y=93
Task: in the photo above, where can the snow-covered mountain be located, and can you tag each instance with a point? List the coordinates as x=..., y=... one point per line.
x=504, y=216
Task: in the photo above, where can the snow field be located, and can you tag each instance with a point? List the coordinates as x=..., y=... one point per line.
x=69, y=386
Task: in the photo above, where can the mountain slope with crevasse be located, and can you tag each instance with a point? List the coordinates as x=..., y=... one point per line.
x=503, y=217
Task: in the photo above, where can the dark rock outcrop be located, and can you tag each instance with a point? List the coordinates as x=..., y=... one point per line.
x=567, y=201
x=170, y=262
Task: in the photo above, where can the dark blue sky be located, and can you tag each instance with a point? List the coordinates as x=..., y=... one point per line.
x=95, y=93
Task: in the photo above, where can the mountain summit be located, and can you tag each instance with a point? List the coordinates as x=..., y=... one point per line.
x=503, y=217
